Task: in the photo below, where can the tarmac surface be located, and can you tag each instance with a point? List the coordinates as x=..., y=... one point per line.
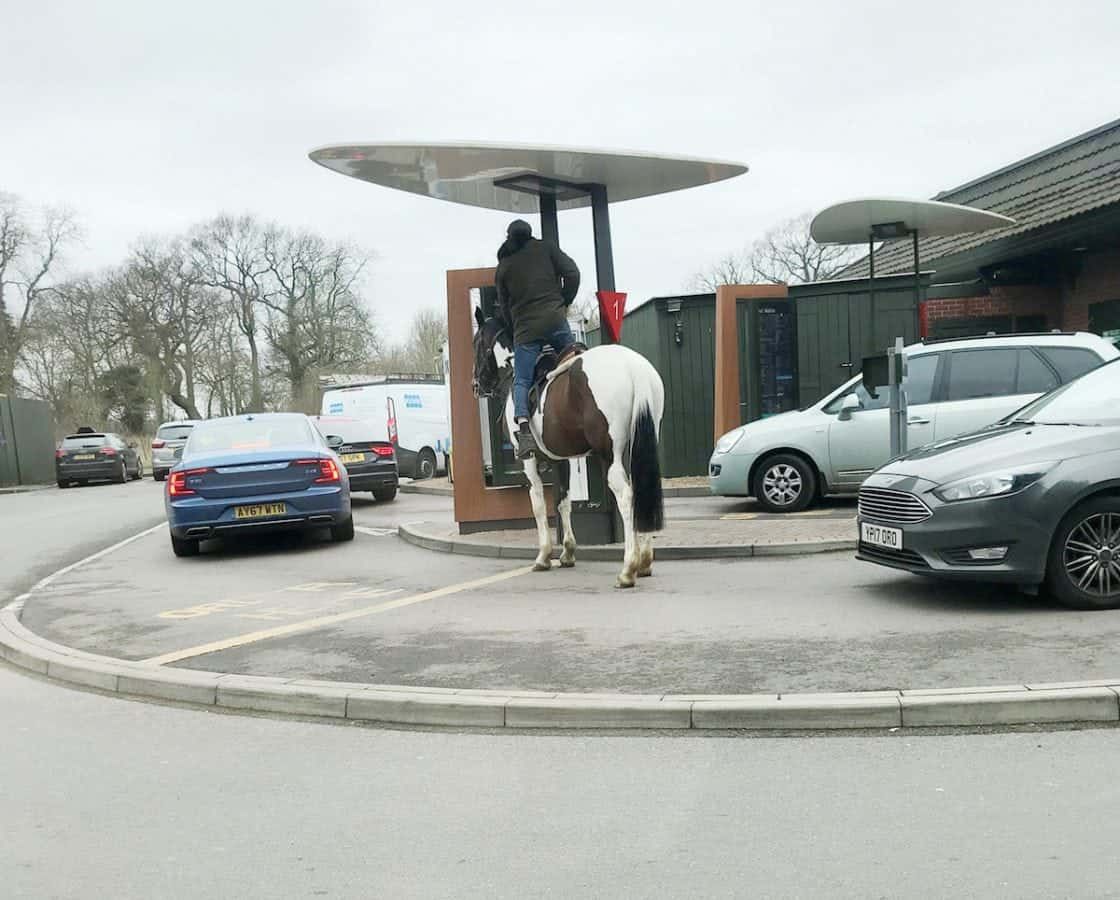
x=381, y=611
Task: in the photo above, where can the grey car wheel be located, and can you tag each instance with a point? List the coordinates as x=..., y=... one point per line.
x=425, y=464
x=785, y=483
x=1084, y=570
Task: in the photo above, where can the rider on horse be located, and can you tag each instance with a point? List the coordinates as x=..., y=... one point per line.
x=536, y=283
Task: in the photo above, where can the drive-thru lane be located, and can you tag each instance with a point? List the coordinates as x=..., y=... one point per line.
x=380, y=611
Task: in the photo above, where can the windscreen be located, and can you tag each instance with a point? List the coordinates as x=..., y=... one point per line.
x=249, y=434
x=83, y=440
x=1093, y=399
x=175, y=432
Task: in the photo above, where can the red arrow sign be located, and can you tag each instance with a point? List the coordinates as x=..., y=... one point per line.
x=612, y=305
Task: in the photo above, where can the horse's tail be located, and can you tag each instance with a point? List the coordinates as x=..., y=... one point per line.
x=645, y=468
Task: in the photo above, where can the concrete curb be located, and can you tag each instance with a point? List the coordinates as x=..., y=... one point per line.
x=24, y=488
x=1095, y=701
x=472, y=546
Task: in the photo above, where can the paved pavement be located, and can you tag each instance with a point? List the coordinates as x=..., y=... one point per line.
x=108, y=798
x=761, y=625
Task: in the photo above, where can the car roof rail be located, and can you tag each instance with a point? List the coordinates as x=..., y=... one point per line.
x=992, y=334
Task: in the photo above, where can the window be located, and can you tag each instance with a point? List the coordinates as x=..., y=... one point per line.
x=1035, y=376
x=83, y=440
x=982, y=373
x=920, y=373
x=174, y=432
x=1071, y=362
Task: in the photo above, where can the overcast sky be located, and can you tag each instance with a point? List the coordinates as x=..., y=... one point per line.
x=147, y=117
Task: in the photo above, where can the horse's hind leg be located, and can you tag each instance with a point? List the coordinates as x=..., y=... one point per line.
x=543, y=562
x=624, y=495
x=564, y=508
x=645, y=555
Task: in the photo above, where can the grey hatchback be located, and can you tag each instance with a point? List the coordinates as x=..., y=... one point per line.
x=1034, y=498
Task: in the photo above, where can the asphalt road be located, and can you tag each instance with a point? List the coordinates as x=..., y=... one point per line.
x=103, y=797
x=780, y=625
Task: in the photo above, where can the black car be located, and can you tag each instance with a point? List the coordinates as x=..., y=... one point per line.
x=371, y=463
x=96, y=456
x=1033, y=499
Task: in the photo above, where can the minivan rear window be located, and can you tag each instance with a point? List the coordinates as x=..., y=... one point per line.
x=174, y=432
x=83, y=440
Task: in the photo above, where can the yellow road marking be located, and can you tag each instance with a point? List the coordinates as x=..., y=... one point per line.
x=322, y=621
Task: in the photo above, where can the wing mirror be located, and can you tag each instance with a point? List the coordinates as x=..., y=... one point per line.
x=132, y=445
x=849, y=405
x=335, y=442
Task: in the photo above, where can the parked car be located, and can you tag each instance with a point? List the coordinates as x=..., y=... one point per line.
x=92, y=455
x=170, y=436
x=410, y=413
x=1034, y=498
x=953, y=387
x=256, y=472
x=370, y=463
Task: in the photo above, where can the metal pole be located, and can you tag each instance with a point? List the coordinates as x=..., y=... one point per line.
x=892, y=395
x=550, y=228
x=917, y=290
x=604, y=257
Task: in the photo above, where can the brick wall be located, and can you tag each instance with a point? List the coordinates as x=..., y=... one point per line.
x=1013, y=300
x=1097, y=280
x=1065, y=306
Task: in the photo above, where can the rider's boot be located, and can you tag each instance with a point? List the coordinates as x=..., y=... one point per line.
x=526, y=443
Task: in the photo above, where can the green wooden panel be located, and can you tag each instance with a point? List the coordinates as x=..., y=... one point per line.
x=26, y=441
x=824, y=313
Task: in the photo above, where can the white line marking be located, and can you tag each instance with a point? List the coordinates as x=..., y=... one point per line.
x=375, y=532
x=43, y=582
x=322, y=621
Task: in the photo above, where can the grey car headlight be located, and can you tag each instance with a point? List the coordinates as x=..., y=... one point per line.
x=728, y=441
x=994, y=484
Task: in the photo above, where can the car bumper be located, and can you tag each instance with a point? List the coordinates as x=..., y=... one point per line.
x=370, y=478
x=89, y=471
x=201, y=518
x=729, y=474
x=939, y=545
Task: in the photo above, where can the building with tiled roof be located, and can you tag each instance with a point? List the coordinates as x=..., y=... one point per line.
x=1058, y=267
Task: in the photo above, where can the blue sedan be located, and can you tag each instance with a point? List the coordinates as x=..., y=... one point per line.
x=256, y=472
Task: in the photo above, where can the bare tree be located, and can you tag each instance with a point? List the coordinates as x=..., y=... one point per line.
x=733, y=268
x=316, y=319
x=162, y=308
x=227, y=255
x=786, y=254
x=29, y=253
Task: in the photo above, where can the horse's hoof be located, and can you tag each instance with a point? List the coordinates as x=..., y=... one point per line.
x=645, y=573
x=625, y=584
x=542, y=567
x=568, y=563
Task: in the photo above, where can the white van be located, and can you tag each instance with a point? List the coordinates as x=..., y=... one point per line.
x=410, y=412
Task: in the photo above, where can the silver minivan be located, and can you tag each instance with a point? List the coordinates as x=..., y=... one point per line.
x=170, y=437
x=953, y=387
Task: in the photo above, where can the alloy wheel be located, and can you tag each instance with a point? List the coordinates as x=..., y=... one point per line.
x=1091, y=555
x=782, y=484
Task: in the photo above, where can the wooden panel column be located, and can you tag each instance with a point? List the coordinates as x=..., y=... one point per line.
x=727, y=362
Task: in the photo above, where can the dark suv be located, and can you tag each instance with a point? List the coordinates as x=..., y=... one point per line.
x=96, y=456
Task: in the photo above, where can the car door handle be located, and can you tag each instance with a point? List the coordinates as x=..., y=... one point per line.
x=917, y=421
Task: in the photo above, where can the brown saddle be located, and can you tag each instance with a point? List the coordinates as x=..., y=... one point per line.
x=547, y=363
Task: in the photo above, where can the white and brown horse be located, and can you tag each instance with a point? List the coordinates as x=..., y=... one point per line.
x=607, y=401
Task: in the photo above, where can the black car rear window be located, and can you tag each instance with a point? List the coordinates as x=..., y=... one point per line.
x=73, y=441
x=174, y=432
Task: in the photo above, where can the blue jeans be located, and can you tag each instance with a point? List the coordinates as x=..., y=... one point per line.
x=525, y=363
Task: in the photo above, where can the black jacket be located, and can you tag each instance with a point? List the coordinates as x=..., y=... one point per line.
x=531, y=296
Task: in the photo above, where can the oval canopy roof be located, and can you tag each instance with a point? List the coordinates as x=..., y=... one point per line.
x=466, y=173
x=852, y=222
